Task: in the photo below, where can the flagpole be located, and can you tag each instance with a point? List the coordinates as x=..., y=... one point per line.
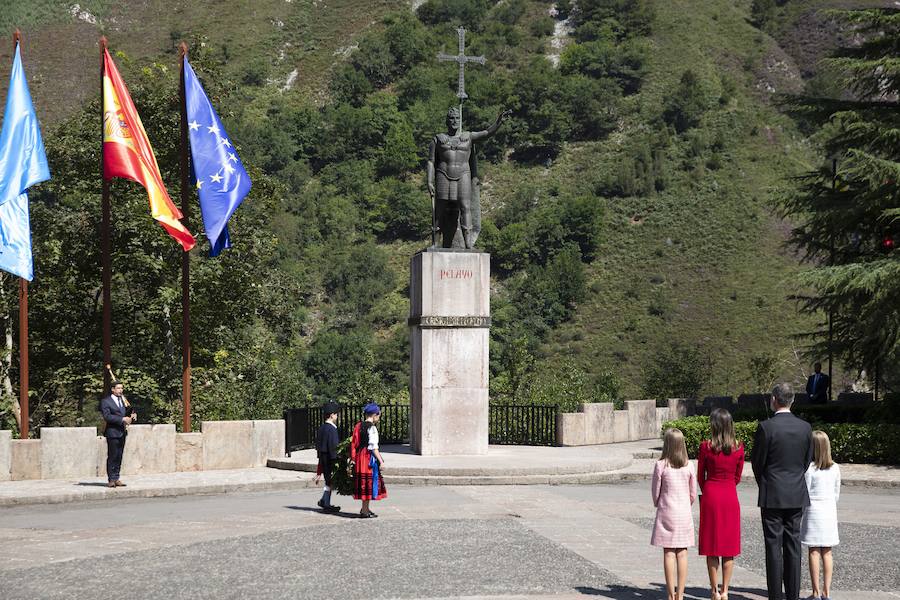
x=104, y=238
x=185, y=256
x=23, y=326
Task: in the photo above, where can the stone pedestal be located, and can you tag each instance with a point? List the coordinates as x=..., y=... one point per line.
x=449, y=326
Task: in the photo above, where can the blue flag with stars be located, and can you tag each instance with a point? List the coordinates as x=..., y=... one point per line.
x=23, y=163
x=222, y=183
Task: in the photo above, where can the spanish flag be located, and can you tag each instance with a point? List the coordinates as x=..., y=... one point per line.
x=127, y=152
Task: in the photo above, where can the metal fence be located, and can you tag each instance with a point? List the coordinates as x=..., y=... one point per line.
x=520, y=425
x=301, y=424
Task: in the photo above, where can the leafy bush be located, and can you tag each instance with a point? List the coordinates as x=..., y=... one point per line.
x=850, y=442
x=696, y=429
x=677, y=370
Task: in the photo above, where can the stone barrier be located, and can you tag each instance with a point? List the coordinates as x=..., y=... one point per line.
x=78, y=452
x=5, y=455
x=68, y=452
x=570, y=429
x=26, y=459
x=599, y=423
x=189, y=451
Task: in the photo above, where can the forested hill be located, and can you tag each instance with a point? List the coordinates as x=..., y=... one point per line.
x=627, y=201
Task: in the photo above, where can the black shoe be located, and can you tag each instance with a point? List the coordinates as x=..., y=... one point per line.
x=367, y=515
x=331, y=508
x=322, y=505
x=372, y=515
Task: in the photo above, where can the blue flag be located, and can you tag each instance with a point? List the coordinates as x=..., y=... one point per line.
x=222, y=183
x=22, y=164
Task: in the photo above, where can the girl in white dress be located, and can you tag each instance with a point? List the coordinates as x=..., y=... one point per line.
x=819, y=528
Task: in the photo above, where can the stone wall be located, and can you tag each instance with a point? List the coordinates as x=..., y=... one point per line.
x=79, y=453
x=599, y=423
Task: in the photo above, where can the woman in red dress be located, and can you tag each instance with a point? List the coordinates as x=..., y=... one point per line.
x=719, y=467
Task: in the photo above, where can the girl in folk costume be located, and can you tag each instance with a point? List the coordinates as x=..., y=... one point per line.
x=819, y=527
x=674, y=490
x=368, y=482
x=720, y=464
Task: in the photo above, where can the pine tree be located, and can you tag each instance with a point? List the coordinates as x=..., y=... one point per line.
x=849, y=218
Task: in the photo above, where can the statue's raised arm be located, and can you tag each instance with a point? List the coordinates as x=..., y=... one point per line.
x=480, y=135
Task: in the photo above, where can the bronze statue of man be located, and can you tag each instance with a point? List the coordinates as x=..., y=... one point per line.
x=452, y=179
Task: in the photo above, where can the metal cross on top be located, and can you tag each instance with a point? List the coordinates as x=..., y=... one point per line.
x=461, y=59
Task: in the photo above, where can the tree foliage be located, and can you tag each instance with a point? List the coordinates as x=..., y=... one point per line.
x=847, y=221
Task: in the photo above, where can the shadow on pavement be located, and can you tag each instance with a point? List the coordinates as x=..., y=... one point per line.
x=342, y=514
x=658, y=592
x=93, y=483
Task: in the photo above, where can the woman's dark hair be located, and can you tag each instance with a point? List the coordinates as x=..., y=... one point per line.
x=721, y=427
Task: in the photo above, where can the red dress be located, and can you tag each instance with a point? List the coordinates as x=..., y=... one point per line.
x=363, y=476
x=720, y=512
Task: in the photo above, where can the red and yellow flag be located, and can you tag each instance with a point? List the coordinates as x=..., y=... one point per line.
x=127, y=152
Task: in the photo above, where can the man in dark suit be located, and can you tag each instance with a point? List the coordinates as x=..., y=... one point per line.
x=118, y=416
x=817, y=386
x=782, y=451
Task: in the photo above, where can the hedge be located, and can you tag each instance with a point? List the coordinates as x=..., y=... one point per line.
x=850, y=442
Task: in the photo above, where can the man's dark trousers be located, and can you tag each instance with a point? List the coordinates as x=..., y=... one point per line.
x=781, y=532
x=115, y=448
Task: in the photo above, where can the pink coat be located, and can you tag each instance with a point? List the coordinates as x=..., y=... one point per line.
x=674, y=491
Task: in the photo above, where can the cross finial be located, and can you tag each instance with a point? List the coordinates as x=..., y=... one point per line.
x=461, y=59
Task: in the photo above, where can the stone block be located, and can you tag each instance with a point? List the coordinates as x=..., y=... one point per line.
x=598, y=423
x=855, y=398
x=189, y=451
x=268, y=441
x=620, y=426
x=227, y=444
x=571, y=429
x=801, y=398
x=450, y=284
x=681, y=407
x=5, y=455
x=149, y=449
x=449, y=421
x=68, y=452
x=26, y=460
x=641, y=419
x=662, y=415
x=726, y=402
x=101, y=456
x=754, y=401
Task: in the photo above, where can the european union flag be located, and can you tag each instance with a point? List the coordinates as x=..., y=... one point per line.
x=23, y=163
x=222, y=183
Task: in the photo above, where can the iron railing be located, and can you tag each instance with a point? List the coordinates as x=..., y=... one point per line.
x=522, y=425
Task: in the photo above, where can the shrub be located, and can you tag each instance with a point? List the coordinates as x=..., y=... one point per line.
x=696, y=429
x=850, y=442
x=677, y=370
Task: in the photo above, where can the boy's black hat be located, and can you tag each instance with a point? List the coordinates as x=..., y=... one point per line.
x=331, y=407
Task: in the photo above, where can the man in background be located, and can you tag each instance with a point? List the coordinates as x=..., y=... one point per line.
x=817, y=385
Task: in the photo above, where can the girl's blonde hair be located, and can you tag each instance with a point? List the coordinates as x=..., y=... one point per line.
x=721, y=427
x=821, y=450
x=674, y=451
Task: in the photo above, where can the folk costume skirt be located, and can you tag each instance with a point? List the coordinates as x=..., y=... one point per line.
x=365, y=478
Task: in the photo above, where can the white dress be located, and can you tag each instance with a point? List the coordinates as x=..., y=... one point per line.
x=819, y=528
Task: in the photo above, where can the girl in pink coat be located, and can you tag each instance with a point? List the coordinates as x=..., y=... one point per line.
x=674, y=490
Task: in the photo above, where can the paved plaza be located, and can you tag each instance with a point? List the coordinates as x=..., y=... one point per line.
x=561, y=542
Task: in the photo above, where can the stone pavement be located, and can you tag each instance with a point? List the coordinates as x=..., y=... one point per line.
x=490, y=542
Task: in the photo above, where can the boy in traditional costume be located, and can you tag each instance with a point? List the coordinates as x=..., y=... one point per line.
x=367, y=462
x=326, y=448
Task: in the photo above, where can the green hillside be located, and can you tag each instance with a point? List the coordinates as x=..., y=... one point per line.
x=627, y=203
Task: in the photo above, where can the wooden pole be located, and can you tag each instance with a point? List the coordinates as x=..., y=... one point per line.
x=104, y=240
x=24, y=412
x=185, y=257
